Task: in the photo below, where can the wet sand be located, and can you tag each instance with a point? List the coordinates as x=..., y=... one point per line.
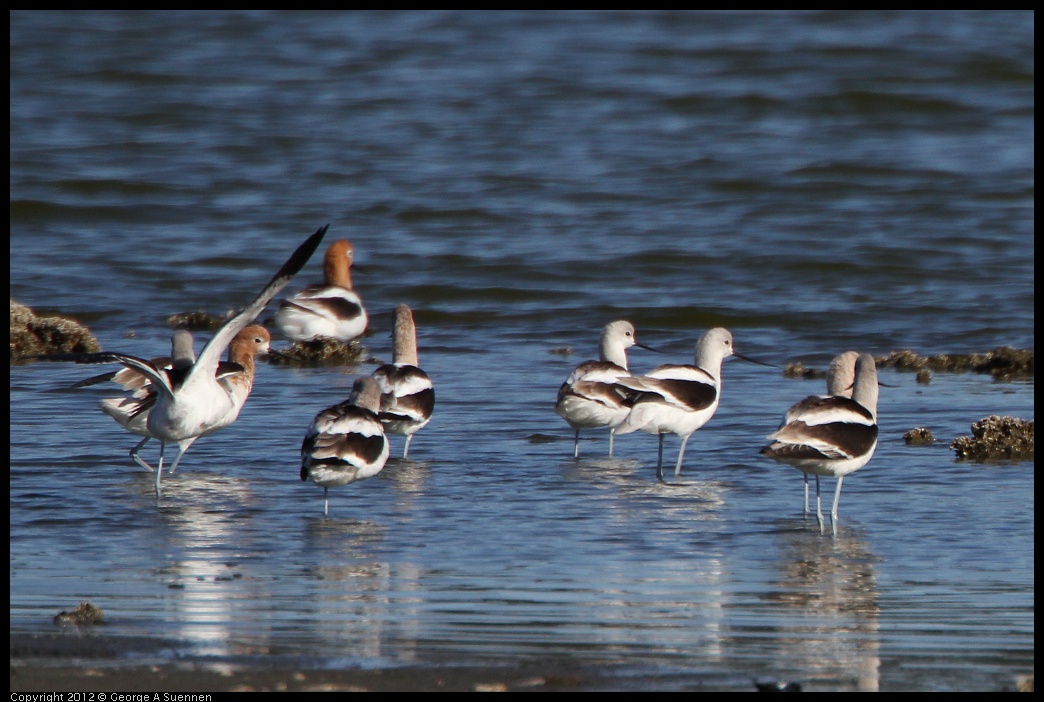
x=188, y=678
x=67, y=663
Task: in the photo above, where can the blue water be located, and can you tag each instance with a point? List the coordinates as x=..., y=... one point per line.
x=813, y=181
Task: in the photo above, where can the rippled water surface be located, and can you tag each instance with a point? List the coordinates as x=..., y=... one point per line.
x=813, y=181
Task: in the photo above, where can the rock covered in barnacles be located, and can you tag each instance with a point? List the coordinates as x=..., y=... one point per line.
x=1003, y=362
x=32, y=335
x=997, y=438
x=321, y=351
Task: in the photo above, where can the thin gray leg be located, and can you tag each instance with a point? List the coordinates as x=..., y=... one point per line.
x=837, y=499
x=681, y=455
x=138, y=459
x=182, y=448
x=819, y=506
x=159, y=471
x=659, y=461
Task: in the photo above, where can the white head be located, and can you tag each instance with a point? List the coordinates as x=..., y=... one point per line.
x=841, y=374
x=366, y=394
x=866, y=390
x=617, y=337
x=182, y=355
x=404, y=337
x=713, y=348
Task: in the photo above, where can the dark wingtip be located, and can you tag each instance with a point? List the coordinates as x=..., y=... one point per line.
x=57, y=357
x=95, y=357
x=302, y=254
x=95, y=380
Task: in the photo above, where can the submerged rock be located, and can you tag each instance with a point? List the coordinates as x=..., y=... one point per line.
x=86, y=613
x=919, y=436
x=539, y=438
x=1003, y=363
x=776, y=686
x=997, y=438
x=798, y=369
x=32, y=335
x=198, y=321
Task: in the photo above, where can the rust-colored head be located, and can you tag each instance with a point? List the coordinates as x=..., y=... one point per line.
x=252, y=341
x=337, y=264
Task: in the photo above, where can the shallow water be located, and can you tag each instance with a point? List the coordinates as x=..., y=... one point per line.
x=812, y=181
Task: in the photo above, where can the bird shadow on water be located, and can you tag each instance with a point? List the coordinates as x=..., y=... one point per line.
x=601, y=469
x=406, y=474
x=198, y=490
x=342, y=537
x=825, y=596
x=638, y=479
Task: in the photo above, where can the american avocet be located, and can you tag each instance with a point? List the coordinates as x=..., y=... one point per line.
x=834, y=435
x=182, y=355
x=132, y=412
x=840, y=379
x=203, y=403
x=407, y=393
x=346, y=442
x=679, y=399
x=237, y=373
x=590, y=398
x=332, y=308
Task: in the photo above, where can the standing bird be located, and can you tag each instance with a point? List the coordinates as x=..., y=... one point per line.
x=202, y=402
x=840, y=379
x=132, y=412
x=834, y=435
x=236, y=376
x=590, y=397
x=407, y=393
x=331, y=309
x=679, y=399
x=346, y=442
